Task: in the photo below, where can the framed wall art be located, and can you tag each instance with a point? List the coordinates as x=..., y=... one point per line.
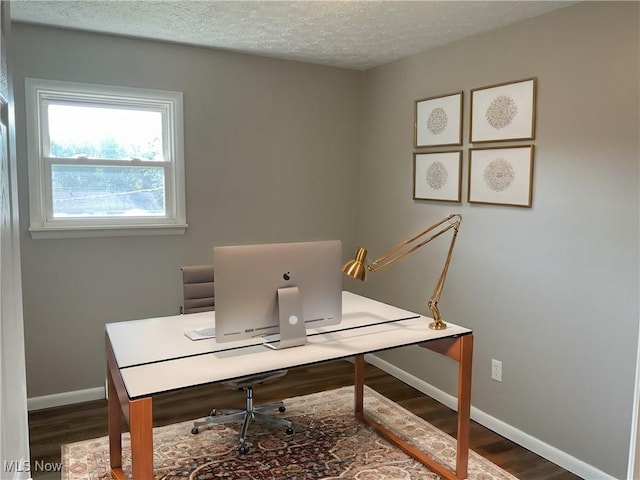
x=503, y=112
x=437, y=176
x=438, y=121
x=501, y=176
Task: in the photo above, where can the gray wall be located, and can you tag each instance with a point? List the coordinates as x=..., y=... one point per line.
x=271, y=149
x=552, y=291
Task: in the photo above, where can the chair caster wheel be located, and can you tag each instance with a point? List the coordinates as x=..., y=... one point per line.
x=243, y=450
x=289, y=431
x=282, y=409
x=195, y=430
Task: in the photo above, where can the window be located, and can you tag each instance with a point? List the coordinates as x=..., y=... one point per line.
x=104, y=160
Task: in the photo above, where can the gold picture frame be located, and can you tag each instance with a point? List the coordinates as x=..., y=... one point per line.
x=503, y=112
x=438, y=121
x=437, y=176
x=501, y=176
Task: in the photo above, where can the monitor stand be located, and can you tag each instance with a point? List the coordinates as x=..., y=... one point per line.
x=293, y=332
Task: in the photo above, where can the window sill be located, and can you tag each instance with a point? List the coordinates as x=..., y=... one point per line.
x=38, y=233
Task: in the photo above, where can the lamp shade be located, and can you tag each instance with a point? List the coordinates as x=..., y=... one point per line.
x=355, y=268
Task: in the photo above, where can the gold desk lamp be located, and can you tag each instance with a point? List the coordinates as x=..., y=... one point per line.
x=356, y=268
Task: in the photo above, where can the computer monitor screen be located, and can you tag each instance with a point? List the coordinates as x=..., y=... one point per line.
x=265, y=289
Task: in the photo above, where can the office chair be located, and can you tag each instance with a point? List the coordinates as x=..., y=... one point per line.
x=199, y=296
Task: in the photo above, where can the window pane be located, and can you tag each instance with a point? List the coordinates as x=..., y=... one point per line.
x=97, y=191
x=106, y=133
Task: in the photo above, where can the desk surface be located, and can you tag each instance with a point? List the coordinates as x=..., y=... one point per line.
x=154, y=355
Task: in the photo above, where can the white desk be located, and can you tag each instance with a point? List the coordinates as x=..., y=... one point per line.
x=146, y=357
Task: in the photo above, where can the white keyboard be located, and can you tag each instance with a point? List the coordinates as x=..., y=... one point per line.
x=201, y=333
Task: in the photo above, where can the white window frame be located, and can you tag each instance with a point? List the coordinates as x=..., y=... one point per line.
x=38, y=94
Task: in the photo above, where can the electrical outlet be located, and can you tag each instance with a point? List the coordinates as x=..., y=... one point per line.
x=496, y=370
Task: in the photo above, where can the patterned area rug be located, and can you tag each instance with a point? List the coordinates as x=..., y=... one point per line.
x=329, y=443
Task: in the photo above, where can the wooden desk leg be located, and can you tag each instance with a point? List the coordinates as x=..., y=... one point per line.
x=138, y=414
x=141, y=428
x=461, y=350
x=115, y=430
x=465, y=361
x=359, y=385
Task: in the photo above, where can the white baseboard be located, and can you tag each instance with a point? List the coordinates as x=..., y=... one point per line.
x=65, y=398
x=549, y=452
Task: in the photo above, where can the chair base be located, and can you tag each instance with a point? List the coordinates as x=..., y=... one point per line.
x=245, y=416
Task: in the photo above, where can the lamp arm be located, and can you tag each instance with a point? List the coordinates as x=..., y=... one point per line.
x=437, y=291
x=406, y=248
x=409, y=246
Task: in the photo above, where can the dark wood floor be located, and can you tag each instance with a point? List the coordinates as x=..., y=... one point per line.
x=51, y=428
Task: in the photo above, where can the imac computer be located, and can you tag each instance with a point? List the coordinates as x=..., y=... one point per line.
x=279, y=288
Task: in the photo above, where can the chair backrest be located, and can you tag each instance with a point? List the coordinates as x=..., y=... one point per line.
x=198, y=291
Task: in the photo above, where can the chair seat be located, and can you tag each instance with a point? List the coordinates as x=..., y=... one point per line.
x=255, y=379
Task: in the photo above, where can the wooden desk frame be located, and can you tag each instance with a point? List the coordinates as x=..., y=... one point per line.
x=461, y=350
x=138, y=414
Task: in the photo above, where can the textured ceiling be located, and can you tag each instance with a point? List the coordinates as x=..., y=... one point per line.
x=349, y=34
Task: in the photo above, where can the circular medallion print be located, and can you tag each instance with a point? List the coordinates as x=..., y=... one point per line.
x=499, y=174
x=437, y=175
x=501, y=112
x=437, y=121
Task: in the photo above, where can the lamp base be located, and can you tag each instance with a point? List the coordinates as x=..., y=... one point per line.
x=438, y=325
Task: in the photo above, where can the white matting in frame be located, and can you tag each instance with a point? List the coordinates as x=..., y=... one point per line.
x=437, y=176
x=501, y=176
x=438, y=121
x=503, y=112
